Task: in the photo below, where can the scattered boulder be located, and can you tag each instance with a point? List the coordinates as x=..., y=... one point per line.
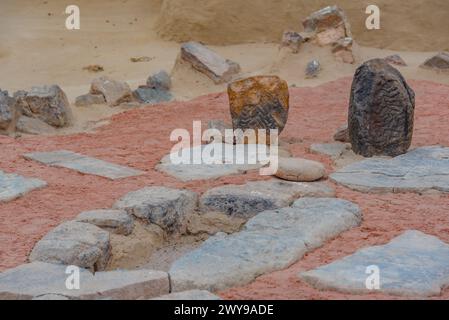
x=115, y=221
x=440, y=62
x=8, y=112
x=260, y=102
x=342, y=134
x=328, y=25
x=114, y=92
x=150, y=95
x=313, y=69
x=208, y=62
x=244, y=201
x=396, y=60
x=292, y=40
x=165, y=207
x=47, y=103
x=413, y=264
x=300, y=170
x=342, y=50
x=89, y=99
x=381, y=111
x=33, y=126
x=189, y=296
x=160, y=80
x=74, y=243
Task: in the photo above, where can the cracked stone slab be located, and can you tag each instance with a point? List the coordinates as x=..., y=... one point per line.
x=244, y=201
x=234, y=159
x=163, y=206
x=74, y=243
x=420, y=170
x=115, y=221
x=272, y=240
x=189, y=295
x=13, y=186
x=83, y=164
x=41, y=280
x=412, y=264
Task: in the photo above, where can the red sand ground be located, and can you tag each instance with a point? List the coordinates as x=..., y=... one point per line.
x=139, y=139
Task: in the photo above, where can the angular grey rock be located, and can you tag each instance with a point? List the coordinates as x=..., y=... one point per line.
x=189, y=295
x=381, y=110
x=83, y=164
x=146, y=94
x=208, y=62
x=292, y=40
x=13, y=186
x=114, y=92
x=8, y=112
x=396, y=60
x=115, y=221
x=160, y=80
x=419, y=170
x=272, y=240
x=313, y=69
x=89, y=99
x=39, y=279
x=245, y=201
x=74, y=243
x=342, y=50
x=440, y=62
x=166, y=207
x=33, y=126
x=47, y=103
x=342, y=134
x=300, y=170
x=413, y=264
x=333, y=150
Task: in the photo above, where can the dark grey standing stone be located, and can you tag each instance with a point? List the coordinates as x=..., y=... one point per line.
x=381, y=110
x=313, y=69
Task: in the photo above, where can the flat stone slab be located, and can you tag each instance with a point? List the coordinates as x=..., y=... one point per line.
x=74, y=243
x=115, y=221
x=38, y=280
x=272, y=240
x=83, y=164
x=333, y=150
x=413, y=264
x=244, y=201
x=189, y=295
x=233, y=160
x=13, y=186
x=420, y=170
x=163, y=206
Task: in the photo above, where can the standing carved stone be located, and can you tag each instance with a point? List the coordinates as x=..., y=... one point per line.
x=260, y=102
x=381, y=110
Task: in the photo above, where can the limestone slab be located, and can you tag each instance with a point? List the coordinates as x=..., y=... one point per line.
x=13, y=186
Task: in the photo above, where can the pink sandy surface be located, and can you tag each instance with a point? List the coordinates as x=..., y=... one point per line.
x=140, y=138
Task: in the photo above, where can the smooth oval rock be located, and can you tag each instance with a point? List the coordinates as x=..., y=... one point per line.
x=300, y=170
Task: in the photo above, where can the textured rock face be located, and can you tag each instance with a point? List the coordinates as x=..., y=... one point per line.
x=342, y=50
x=74, y=243
x=440, y=62
x=271, y=241
x=292, y=40
x=260, y=102
x=33, y=126
x=47, y=103
x=116, y=221
x=114, y=92
x=160, y=80
x=8, y=112
x=168, y=208
x=89, y=99
x=381, y=110
x=208, y=62
x=413, y=264
x=150, y=95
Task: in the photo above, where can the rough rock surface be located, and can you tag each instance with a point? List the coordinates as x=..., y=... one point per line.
x=160, y=80
x=208, y=62
x=329, y=25
x=381, y=110
x=244, y=201
x=166, y=207
x=8, y=112
x=189, y=295
x=115, y=221
x=33, y=126
x=419, y=170
x=39, y=279
x=313, y=68
x=300, y=170
x=150, y=95
x=440, y=62
x=396, y=60
x=342, y=50
x=413, y=264
x=13, y=186
x=114, y=92
x=271, y=241
x=342, y=134
x=74, y=243
x=89, y=99
x=292, y=40
x=47, y=103
x=83, y=164
x=260, y=102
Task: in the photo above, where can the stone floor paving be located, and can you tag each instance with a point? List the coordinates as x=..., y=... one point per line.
x=13, y=186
